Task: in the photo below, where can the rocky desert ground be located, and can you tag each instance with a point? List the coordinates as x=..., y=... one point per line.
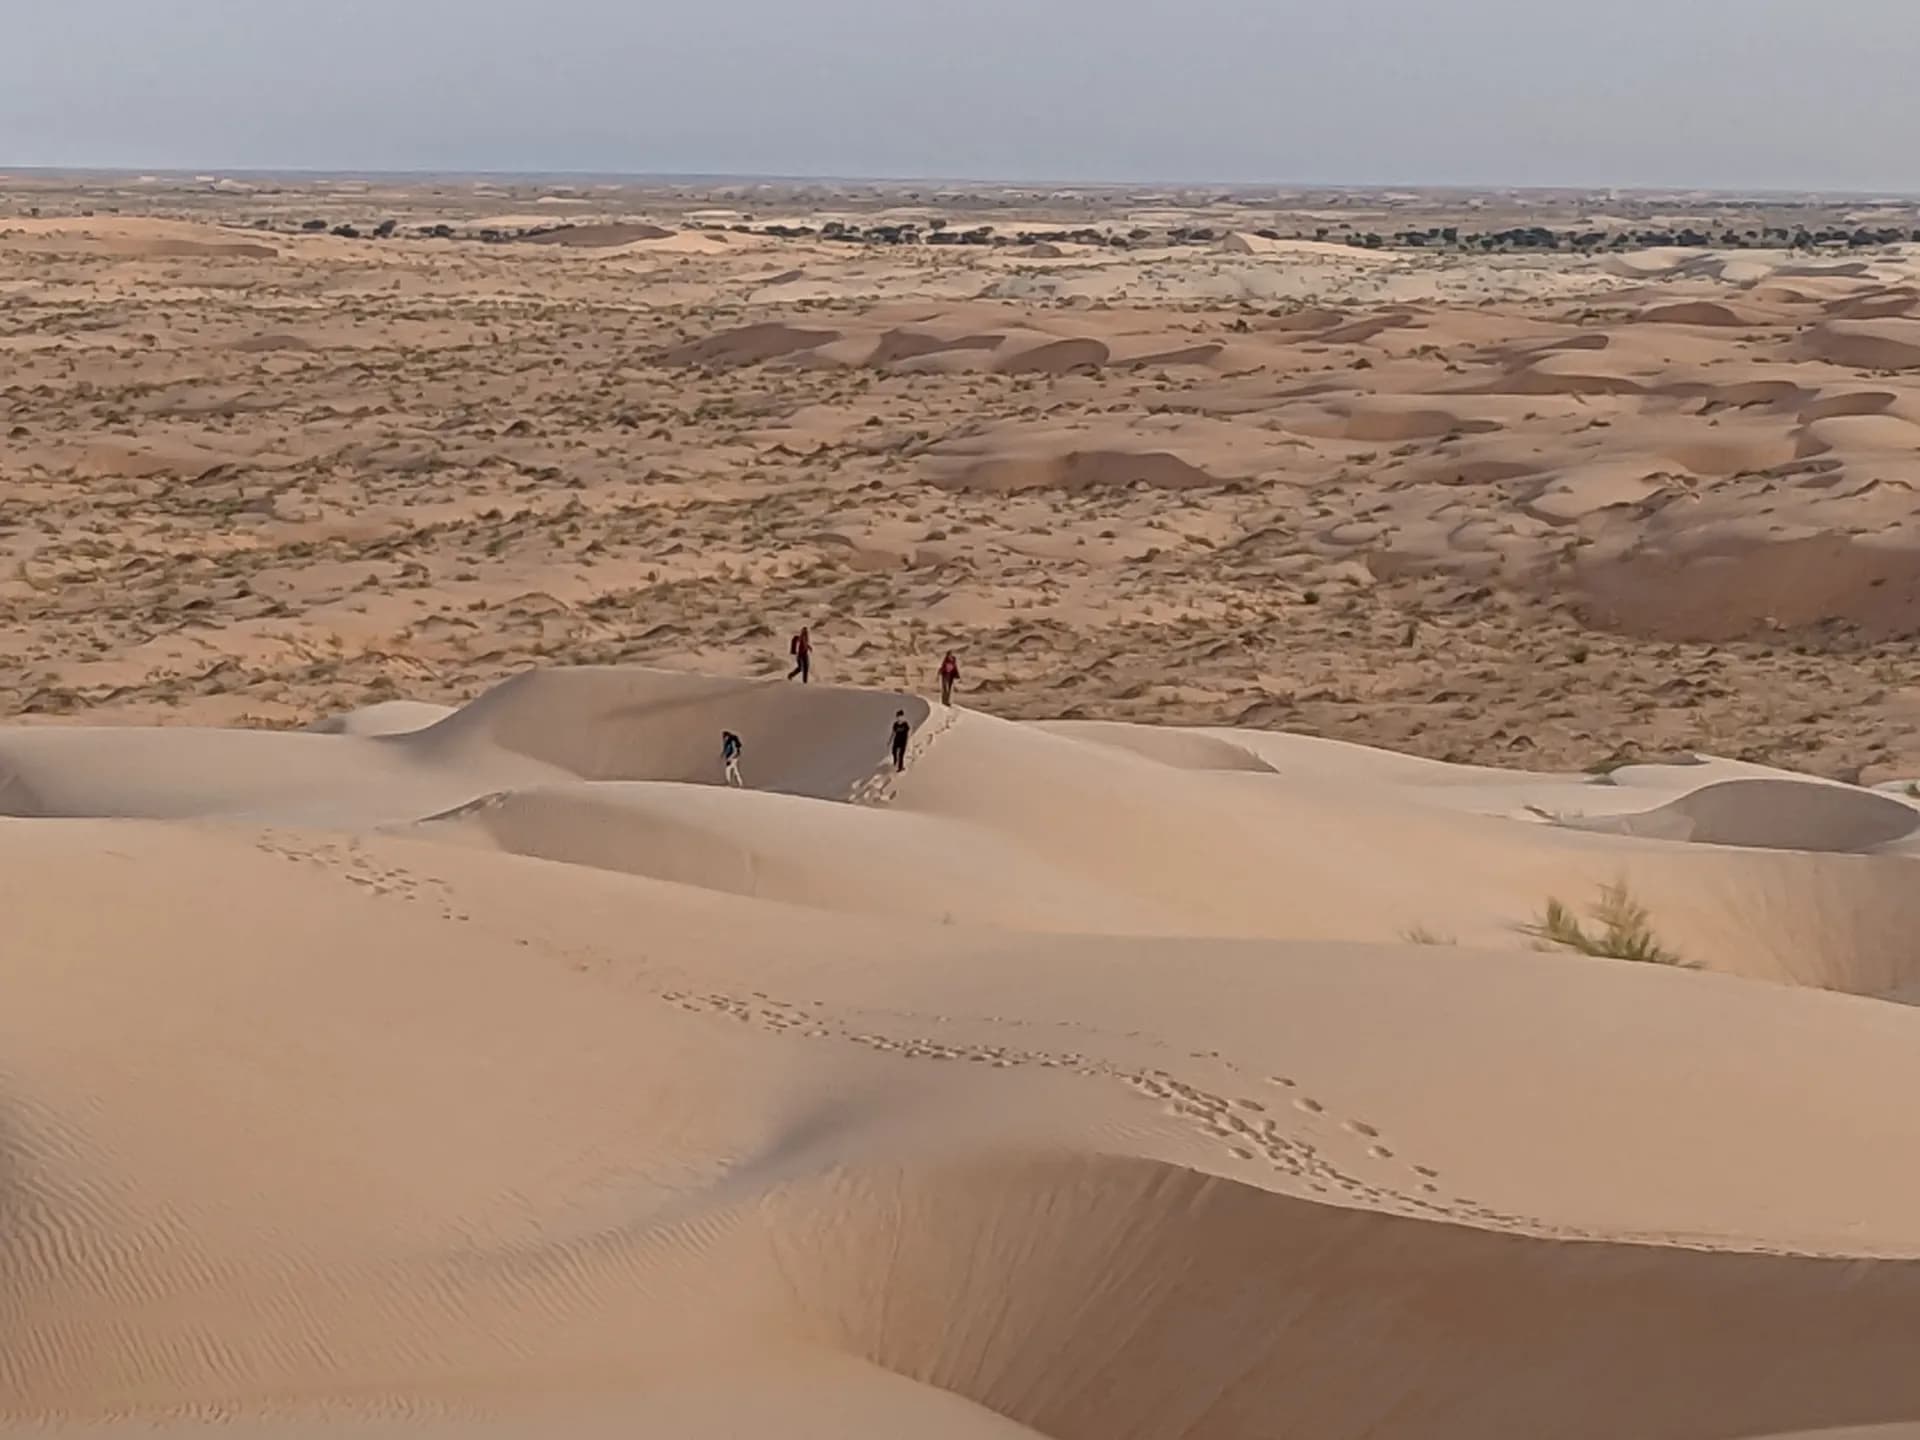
x=1407, y=932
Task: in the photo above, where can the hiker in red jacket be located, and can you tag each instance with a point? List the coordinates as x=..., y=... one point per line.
x=801, y=648
x=949, y=672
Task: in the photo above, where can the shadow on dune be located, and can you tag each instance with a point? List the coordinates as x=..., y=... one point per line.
x=617, y=723
x=389, y=765
x=1110, y=1297
x=1765, y=814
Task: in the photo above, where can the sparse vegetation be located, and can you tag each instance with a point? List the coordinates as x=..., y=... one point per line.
x=429, y=425
x=1421, y=935
x=1603, y=768
x=1625, y=929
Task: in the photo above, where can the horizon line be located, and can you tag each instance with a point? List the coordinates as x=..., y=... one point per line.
x=137, y=172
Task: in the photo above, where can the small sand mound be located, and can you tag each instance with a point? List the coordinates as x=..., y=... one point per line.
x=1186, y=355
x=1057, y=357
x=1307, y=318
x=1728, y=590
x=686, y=242
x=1694, y=312
x=897, y=345
x=174, y=773
x=411, y=762
x=269, y=344
x=192, y=249
x=1845, y=403
x=596, y=237
x=622, y=723
x=389, y=717
x=1887, y=344
x=1862, y=434
x=1358, y=332
x=1877, y=304
x=133, y=238
x=1239, y=242
x=1771, y=815
x=1391, y=421
x=749, y=345
x=1084, y=470
x=1564, y=373
x=1650, y=264
x=1178, y=749
x=796, y=849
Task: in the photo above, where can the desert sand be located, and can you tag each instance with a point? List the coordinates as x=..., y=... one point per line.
x=1550, y=510
x=497, y=1071
x=407, y=1032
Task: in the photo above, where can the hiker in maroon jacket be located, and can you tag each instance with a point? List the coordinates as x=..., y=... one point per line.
x=949, y=672
x=801, y=648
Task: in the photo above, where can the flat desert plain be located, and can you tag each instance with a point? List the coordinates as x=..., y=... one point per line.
x=1407, y=930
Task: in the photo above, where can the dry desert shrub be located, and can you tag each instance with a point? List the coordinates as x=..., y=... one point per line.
x=1625, y=929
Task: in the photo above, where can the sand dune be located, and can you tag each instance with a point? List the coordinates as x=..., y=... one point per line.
x=618, y=769
x=618, y=725
x=1867, y=344
x=137, y=238
x=749, y=346
x=388, y=717
x=407, y=1031
x=928, y=1104
x=1723, y=591
x=1774, y=815
x=592, y=236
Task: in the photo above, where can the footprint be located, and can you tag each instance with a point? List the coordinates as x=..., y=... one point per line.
x=1251, y=1105
x=1360, y=1127
x=1281, y=1080
x=1380, y=1152
x=1240, y=1153
x=1308, y=1105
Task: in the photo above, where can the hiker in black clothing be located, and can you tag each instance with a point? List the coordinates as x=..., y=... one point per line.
x=730, y=748
x=801, y=648
x=902, y=732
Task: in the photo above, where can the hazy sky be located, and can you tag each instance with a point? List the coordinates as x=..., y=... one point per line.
x=1727, y=93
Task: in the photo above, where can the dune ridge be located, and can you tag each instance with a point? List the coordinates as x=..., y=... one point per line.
x=605, y=1080
x=1408, y=931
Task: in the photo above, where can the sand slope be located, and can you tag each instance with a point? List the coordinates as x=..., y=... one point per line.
x=1078, y=1082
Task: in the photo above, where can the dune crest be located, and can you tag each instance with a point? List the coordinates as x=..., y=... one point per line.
x=946, y=1090
x=1406, y=931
